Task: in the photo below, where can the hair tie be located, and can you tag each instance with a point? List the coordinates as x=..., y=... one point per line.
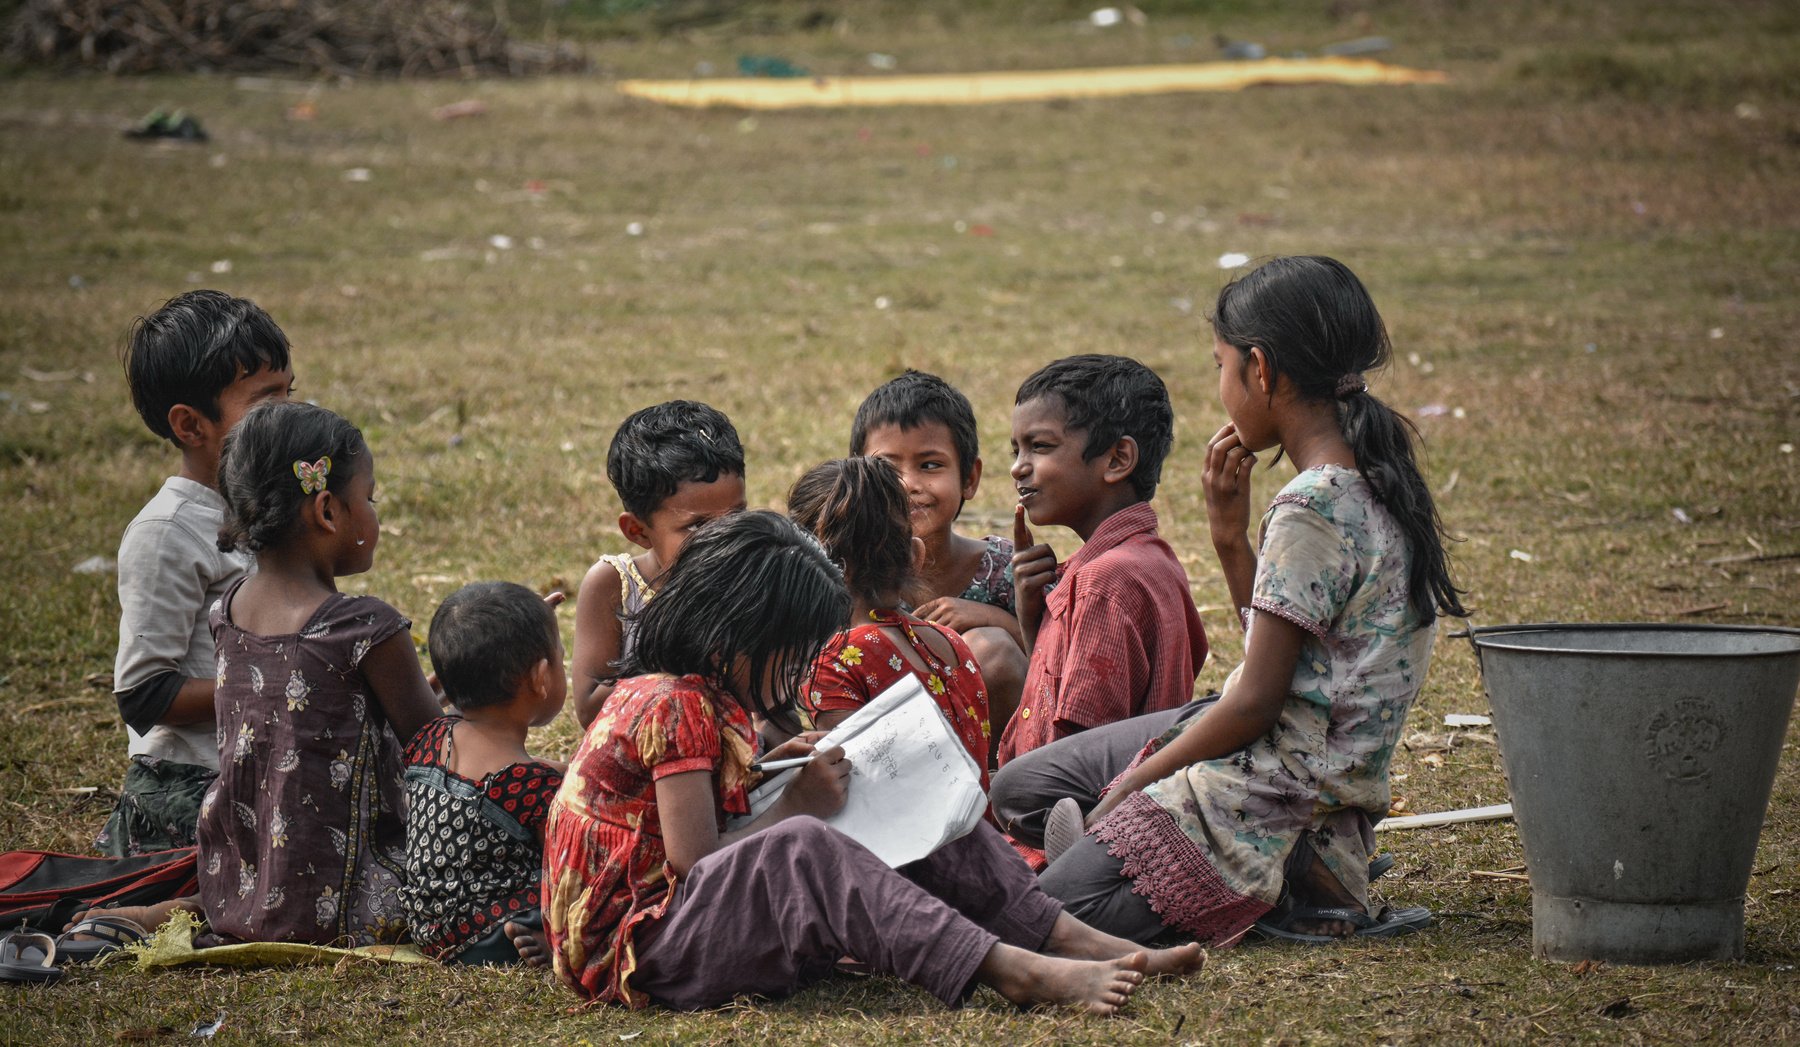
x=312, y=476
x=1351, y=384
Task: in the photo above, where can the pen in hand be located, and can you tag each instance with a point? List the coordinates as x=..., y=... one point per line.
x=782, y=765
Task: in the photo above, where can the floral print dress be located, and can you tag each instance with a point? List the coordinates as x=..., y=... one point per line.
x=303, y=836
x=606, y=872
x=1208, y=846
x=993, y=581
x=858, y=664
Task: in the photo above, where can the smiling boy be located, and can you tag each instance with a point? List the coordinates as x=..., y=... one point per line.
x=195, y=367
x=1118, y=634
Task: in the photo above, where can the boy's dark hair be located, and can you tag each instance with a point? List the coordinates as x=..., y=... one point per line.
x=1111, y=397
x=914, y=399
x=860, y=511
x=262, y=492
x=750, y=586
x=1318, y=327
x=659, y=448
x=188, y=351
x=485, y=639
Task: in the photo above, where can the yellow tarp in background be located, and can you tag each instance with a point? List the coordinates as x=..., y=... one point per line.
x=983, y=88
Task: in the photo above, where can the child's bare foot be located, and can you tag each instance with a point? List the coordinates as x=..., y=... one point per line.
x=149, y=917
x=1032, y=979
x=1177, y=961
x=534, y=950
x=1072, y=938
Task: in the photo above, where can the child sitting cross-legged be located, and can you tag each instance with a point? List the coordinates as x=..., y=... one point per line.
x=675, y=466
x=859, y=511
x=194, y=367
x=476, y=799
x=1118, y=636
x=649, y=897
x=923, y=427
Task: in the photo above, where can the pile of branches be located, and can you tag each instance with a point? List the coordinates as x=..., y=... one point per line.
x=357, y=38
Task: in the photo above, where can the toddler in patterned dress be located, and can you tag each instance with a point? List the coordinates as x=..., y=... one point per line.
x=476, y=798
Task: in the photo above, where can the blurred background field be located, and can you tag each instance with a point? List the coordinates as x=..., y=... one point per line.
x=1586, y=246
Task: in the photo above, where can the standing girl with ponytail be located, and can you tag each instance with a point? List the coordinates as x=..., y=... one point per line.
x=1259, y=810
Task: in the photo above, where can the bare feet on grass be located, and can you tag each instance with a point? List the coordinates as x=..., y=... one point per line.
x=1071, y=938
x=534, y=950
x=1032, y=979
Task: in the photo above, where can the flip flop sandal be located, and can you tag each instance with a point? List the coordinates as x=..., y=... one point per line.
x=1379, y=865
x=28, y=958
x=1389, y=923
x=104, y=934
x=1062, y=828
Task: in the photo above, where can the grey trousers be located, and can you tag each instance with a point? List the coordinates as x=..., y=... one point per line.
x=1090, y=882
x=1079, y=766
x=776, y=910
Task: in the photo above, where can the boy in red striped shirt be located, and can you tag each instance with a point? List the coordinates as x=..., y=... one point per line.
x=1112, y=632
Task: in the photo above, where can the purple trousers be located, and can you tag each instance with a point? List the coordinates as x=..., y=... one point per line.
x=775, y=911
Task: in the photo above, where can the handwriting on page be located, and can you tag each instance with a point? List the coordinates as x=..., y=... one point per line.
x=913, y=787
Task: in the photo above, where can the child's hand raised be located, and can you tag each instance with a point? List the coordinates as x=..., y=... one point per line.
x=1034, y=568
x=821, y=787
x=1226, y=482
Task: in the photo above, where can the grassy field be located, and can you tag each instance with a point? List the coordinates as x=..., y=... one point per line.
x=1586, y=245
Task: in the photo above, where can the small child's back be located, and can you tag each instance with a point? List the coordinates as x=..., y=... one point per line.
x=474, y=849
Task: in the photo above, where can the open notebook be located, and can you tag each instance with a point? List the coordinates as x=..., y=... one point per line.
x=913, y=787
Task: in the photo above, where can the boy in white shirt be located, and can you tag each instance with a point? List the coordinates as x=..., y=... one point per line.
x=194, y=367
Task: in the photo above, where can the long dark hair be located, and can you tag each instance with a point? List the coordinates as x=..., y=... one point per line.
x=859, y=509
x=262, y=490
x=748, y=586
x=1318, y=328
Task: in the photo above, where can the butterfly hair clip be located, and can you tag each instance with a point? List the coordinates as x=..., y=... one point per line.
x=312, y=474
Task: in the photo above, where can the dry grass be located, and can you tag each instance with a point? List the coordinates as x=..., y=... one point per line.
x=1557, y=235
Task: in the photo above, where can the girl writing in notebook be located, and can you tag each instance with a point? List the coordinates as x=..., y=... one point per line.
x=647, y=894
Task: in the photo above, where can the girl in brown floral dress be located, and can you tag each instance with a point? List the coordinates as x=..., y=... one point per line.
x=302, y=838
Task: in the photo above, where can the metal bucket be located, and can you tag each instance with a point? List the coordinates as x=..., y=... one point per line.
x=1640, y=759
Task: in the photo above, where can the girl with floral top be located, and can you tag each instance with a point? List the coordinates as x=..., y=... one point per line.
x=648, y=897
x=1277, y=785
x=858, y=509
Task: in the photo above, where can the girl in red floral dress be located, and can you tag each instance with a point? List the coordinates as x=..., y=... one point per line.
x=649, y=898
x=859, y=510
